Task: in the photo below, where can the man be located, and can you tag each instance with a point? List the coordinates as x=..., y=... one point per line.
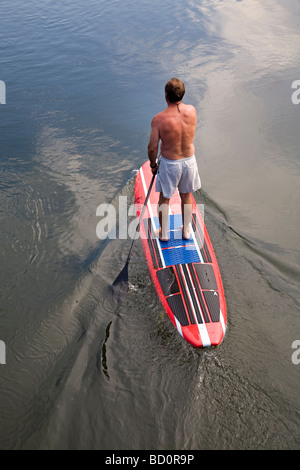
x=175, y=128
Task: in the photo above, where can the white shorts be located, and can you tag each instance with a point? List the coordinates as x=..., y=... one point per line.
x=182, y=174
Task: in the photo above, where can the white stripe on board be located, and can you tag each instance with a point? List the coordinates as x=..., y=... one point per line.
x=222, y=321
x=195, y=293
x=178, y=326
x=194, y=239
x=196, y=243
x=201, y=326
x=151, y=216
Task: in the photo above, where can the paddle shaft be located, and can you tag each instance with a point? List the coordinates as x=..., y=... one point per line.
x=141, y=216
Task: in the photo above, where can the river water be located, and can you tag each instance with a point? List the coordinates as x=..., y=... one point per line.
x=81, y=82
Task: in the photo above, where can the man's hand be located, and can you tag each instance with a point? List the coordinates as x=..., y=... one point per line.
x=153, y=145
x=154, y=168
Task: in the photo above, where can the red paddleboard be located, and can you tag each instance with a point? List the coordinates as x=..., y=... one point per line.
x=185, y=273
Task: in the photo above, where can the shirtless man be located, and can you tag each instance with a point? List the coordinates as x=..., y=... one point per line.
x=175, y=128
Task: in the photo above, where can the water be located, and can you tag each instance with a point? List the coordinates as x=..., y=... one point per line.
x=83, y=81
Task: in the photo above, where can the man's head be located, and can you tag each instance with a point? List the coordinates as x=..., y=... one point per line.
x=174, y=90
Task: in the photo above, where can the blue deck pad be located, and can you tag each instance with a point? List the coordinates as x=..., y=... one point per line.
x=177, y=250
x=174, y=221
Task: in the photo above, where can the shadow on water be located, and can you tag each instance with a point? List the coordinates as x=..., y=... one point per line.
x=103, y=359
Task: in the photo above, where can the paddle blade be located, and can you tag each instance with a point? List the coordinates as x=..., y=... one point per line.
x=120, y=284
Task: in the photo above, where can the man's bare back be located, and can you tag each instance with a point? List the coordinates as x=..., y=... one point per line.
x=175, y=128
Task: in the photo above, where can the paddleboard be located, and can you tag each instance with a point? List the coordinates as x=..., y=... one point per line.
x=185, y=273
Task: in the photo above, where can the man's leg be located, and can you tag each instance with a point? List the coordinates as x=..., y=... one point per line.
x=186, y=210
x=163, y=212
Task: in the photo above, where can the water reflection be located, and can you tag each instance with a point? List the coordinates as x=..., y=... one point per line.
x=81, y=175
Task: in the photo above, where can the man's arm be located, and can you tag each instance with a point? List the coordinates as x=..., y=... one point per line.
x=153, y=142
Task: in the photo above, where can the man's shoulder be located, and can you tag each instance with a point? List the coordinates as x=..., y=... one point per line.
x=190, y=108
x=158, y=118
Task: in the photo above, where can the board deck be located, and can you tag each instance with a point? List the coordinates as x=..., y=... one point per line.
x=185, y=273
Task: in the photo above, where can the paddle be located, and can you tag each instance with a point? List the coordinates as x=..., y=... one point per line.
x=121, y=282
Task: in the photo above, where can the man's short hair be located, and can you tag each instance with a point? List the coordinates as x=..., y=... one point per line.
x=175, y=90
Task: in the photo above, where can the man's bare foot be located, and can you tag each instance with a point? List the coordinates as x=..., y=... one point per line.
x=186, y=235
x=157, y=233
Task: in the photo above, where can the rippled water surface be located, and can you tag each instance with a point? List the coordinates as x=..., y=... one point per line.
x=83, y=81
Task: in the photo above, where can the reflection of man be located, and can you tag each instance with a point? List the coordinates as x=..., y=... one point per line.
x=175, y=128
